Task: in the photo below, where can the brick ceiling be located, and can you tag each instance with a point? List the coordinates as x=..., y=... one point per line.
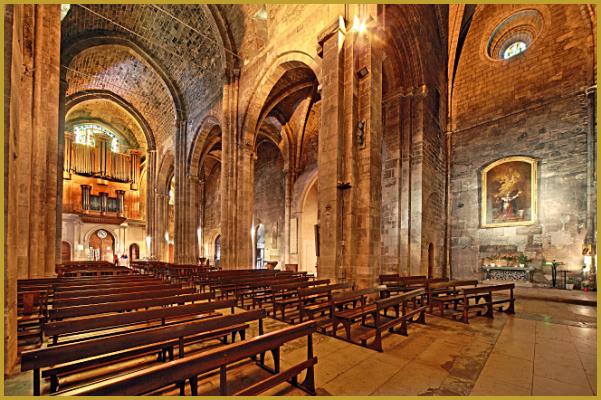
x=194, y=63
x=111, y=115
x=121, y=71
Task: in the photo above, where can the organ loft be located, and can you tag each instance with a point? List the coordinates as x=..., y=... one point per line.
x=300, y=199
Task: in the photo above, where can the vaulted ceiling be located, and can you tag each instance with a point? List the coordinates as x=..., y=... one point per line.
x=183, y=42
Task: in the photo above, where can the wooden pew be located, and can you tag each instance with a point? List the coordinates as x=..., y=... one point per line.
x=102, y=285
x=446, y=288
x=104, y=292
x=62, y=360
x=407, y=283
x=132, y=320
x=185, y=369
x=103, y=308
x=468, y=299
x=378, y=310
x=110, y=298
x=284, y=296
x=318, y=300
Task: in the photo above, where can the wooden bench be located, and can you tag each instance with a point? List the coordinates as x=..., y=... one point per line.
x=378, y=311
x=102, y=285
x=103, y=308
x=132, y=320
x=67, y=359
x=110, y=298
x=467, y=299
x=284, y=296
x=446, y=288
x=318, y=300
x=103, y=292
x=407, y=283
x=187, y=369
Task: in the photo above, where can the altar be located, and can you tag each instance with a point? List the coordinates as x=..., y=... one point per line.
x=507, y=273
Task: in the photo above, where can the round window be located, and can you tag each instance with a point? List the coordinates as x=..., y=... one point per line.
x=515, y=34
x=514, y=49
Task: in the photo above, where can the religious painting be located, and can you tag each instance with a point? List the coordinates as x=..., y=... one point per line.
x=509, y=192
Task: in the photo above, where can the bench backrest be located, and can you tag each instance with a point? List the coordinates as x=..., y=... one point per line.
x=323, y=289
x=105, y=285
x=102, y=292
x=146, y=380
x=398, y=299
x=81, y=311
x=76, y=351
x=355, y=293
x=87, y=324
x=489, y=288
x=109, y=298
x=289, y=286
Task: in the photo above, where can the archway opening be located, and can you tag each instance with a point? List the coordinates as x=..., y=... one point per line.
x=134, y=252
x=102, y=246
x=308, y=249
x=65, y=251
x=259, y=246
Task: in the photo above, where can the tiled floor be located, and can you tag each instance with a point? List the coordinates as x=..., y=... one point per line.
x=545, y=349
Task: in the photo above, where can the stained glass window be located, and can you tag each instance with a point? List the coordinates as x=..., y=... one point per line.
x=514, y=49
x=84, y=134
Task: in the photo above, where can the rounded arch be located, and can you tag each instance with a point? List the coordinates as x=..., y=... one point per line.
x=96, y=228
x=201, y=143
x=101, y=37
x=80, y=97
x=165, y=173
x=261, y=90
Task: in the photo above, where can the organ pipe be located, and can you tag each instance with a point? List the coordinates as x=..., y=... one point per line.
x=100, y=161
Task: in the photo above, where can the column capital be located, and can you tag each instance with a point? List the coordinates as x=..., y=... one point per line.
x=338, y=25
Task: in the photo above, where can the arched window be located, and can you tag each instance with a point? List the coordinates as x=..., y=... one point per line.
x=514, y=49
x=85, y=134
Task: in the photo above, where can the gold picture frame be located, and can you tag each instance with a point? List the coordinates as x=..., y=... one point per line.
x=509, y=192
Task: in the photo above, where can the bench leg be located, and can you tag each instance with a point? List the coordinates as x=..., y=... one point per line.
x=53, y=383
x=194, y=386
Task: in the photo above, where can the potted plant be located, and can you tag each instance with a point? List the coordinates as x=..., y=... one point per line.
x=570, y=283
x=523, y=260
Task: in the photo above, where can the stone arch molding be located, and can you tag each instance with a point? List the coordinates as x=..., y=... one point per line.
x=262, y=88
x=199, y=142
x=118, y=240
x=99, y=38
x=80, y=97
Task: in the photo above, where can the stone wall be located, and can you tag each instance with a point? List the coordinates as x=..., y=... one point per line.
x=269, y=196
x=32, y=61
x=212, y=211
x=530, y=105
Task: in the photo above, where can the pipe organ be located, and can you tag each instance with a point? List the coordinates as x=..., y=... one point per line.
x=99, y=161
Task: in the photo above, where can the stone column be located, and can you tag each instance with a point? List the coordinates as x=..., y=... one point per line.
x=60, y=164
x=330, y=150
x=244, y=211
x=151, y=200
x=229, y=151
x=364, y=150
x=31, y=101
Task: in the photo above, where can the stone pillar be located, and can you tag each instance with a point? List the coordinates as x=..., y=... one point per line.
x=184, y=241
x=229, y=171
x=244, y=211
x=60, y=164
x=330, y=150
x=31, y=93
x=362, y=220
x=151, y=201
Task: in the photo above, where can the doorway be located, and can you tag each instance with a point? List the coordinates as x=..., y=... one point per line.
x=102, y=246
x=308, y=259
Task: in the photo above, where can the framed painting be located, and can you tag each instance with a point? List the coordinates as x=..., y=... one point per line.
x=509, y=192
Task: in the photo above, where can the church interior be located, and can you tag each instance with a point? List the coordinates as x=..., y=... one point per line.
x=300, y=199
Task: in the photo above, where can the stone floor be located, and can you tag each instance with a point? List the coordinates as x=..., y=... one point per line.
x=547, y=348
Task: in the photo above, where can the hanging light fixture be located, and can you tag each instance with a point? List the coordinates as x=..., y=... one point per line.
x=65, y=10
x=261, y=14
